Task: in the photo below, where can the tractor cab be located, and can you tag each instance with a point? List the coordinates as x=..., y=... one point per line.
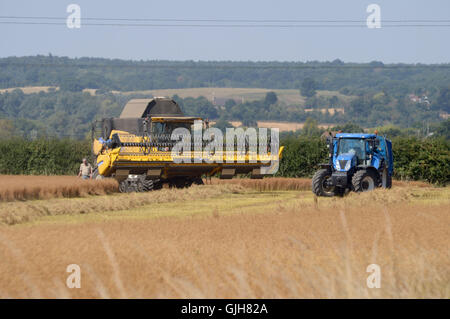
x=358, y=162
x=353, y=150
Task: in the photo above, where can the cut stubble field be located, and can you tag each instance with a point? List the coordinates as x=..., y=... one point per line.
x=232, y=239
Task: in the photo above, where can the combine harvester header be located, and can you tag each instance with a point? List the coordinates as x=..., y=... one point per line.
x=153, y=143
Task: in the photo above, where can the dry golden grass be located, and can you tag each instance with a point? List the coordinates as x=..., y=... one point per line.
x=30, y=89
x=24, y=187
x=12, y=213
x=288, y=126
x=396, y=183
x=289, y=184
x=288, y=96
x=292, y=247
x=268, y=184
x=247, y=94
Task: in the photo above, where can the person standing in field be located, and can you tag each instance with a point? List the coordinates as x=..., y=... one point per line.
x=85, y=170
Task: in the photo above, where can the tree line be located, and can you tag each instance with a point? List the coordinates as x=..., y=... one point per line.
x=70, y=114
x=371, y=94
x=75, y=74
x=414, y=158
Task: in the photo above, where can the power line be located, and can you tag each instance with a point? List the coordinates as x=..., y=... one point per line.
x=234, y=20
x=228, y=23
x=231, y=25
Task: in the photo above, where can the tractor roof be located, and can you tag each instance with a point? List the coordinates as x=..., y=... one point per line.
x=355, y=135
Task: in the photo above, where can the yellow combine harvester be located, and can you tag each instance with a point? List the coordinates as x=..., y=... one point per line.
x=137, y=150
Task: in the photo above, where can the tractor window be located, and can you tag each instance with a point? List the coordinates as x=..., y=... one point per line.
x=354, y=146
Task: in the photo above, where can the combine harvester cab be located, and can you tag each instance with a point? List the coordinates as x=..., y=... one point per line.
x=358, y=162
x=136, y=149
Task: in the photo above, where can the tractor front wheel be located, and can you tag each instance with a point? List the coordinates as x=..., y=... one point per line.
x=364, y=180
x=320, y=185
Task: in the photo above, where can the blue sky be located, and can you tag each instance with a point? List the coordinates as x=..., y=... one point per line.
x=408, y=45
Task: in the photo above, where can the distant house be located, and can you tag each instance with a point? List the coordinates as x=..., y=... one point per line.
x=444, y=115
x=419, y=99
x=414, y=98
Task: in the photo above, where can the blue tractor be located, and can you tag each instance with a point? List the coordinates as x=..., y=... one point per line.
x=358, y=162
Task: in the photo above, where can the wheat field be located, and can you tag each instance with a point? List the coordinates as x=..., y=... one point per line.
x=230, y=240
x=267, y=184
x=288, y=184
x=27, y=187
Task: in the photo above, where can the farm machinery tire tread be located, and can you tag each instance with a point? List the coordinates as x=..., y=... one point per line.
x=317, y=183
x=360, y=176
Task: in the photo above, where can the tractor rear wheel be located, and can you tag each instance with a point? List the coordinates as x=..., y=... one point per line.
x=389, y=182
x=364, y=180
x=386, y=179
x=320, y=185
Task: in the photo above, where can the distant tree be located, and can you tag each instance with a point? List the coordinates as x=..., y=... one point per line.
x=222, y=124
x=310, y=128
x=101, y=91
x=312, y=102
x=229, y=104
x=70, y=85
x=6, y=129
x=308, y=88
x=348, y=128
x=247, y=122
x=177, y=99
x=443, y=130
x=345, y=91
x=419, y=91
x=199, y=107
x=376, y=64
x=360, y=107
x=337, y=62
x=271, y=98
x=443, y=100
x=334, y=101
